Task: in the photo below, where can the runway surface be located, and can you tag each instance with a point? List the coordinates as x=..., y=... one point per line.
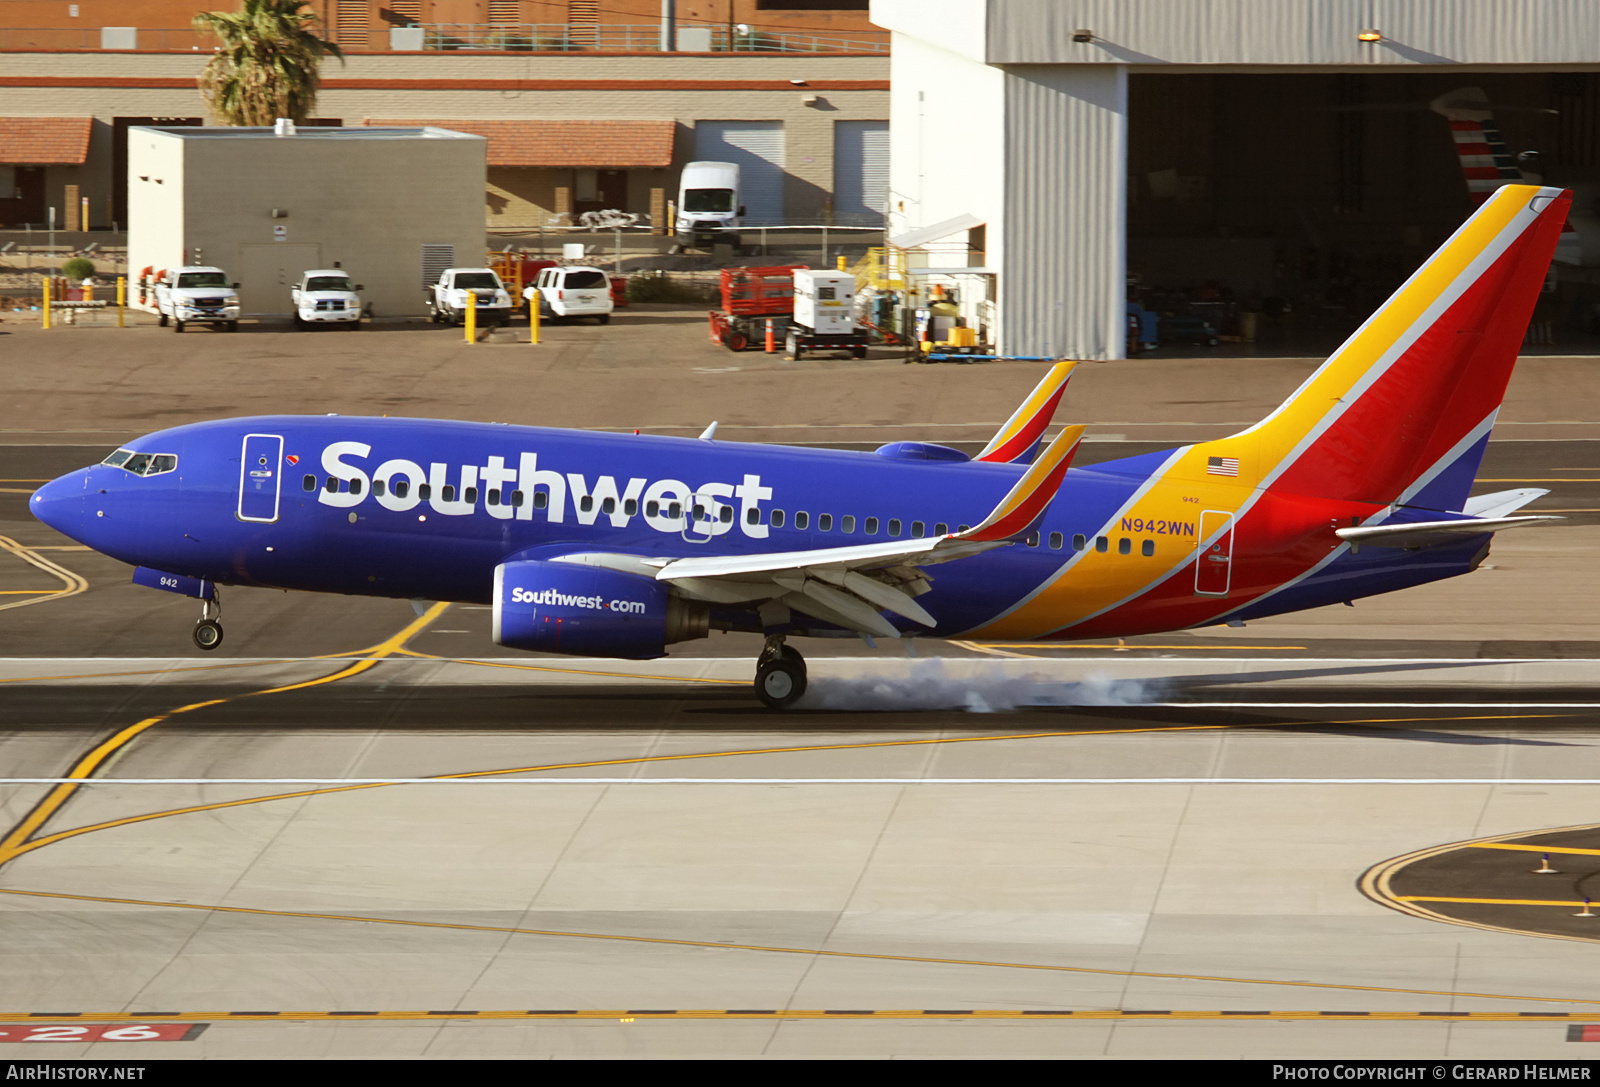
x=356, y=831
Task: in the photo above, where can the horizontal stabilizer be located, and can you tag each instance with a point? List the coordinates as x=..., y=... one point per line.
x=1429, y=533
x=1016, y=440
x=1502, y=503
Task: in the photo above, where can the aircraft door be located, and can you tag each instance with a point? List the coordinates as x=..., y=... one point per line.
x=260, y=477
x=699, y=511
x=1214, y=565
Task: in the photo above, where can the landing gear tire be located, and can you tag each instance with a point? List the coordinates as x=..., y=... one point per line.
x=208, y=634
x=781, y=680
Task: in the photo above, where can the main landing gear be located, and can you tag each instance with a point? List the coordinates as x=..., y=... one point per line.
x=208, y=631
x=780, y=674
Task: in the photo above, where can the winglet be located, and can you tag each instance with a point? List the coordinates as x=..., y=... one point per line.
x=1020, y=434
x=1032, y=493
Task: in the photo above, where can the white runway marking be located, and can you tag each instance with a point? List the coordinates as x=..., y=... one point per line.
x=799, y=781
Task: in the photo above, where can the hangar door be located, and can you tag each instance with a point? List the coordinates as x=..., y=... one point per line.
x=757, y=148
x=860, y=172
x=267, y=271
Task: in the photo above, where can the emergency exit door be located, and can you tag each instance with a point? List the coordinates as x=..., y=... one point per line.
x=1214, y=566
x=260, y=477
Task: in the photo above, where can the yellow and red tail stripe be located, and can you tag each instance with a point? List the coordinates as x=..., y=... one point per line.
x=1032, y=493
x=1022, y=431
x=1422, y=375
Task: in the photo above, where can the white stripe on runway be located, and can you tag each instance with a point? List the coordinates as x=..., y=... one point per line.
x=798, y=781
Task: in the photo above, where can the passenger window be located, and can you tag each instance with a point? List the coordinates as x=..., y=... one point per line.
x=918, y=529
x=941, y=529
x=1148, y=548
x=331, y=486
x=1079, y=541
x=1102, y=544
x=1124, y=546
x=777, y=518
x=630, y=506
x=801, y=518
x=541, y=499
x=608, y=506
x=355, y=485
x=492, y=500
x=1056, y=540
x=1032, y=540
x=516, y=499
x=401, y=487
x=449, y=492
x=726, y=515
x=379, y=487
x=847, y=523
x=470, y=496
x=871, y=526
x=824, y=522
x=586, y=503
x=652, y=508
x=674, y=510
x=752, y=516
x=309, y=483
x=962, y=528
x=894, y=526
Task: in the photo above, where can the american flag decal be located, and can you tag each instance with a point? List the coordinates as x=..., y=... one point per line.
x=1222, y=466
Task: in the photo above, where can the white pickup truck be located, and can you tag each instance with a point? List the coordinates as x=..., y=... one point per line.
x=447, y=298
x=325, y=296
x=197, y=294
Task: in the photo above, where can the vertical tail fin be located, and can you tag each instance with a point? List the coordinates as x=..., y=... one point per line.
x=1400, y=412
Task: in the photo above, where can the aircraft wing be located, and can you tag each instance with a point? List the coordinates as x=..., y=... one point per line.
x=833, y=584
x=1429, y=533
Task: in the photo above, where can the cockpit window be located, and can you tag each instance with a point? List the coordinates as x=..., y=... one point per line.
x=142, y=464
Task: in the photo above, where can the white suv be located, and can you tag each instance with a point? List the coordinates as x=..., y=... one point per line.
x=573, y=291
x=326, y=296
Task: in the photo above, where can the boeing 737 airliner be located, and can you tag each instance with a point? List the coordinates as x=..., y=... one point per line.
x=618, y=545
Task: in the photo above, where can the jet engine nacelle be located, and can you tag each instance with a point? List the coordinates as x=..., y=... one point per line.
x=563, y=607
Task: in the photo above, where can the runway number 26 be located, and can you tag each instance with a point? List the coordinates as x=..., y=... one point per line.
x=101, y=1032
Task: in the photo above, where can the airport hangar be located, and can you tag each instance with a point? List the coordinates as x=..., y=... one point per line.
x=1216, y=158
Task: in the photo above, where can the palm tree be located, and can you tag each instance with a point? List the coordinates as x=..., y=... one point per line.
x=266, y=67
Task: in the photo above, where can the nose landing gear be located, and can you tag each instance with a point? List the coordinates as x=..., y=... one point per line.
x=208, y=630
x=780, y=674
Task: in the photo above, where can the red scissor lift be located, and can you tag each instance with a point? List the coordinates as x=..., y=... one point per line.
x=750, y=298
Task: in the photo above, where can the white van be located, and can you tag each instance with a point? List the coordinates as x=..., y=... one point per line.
x=708, y=203
x=572, y=291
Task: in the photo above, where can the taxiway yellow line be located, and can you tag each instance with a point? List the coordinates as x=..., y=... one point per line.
x=17, y=841
x=1493, y=901
x=626, y=1015
x=1535, y=848
x=779, y=949
x=73, y=583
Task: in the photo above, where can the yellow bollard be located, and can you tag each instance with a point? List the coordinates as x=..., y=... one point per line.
x=122, y=301
x=533, y=318
x=46, y=315
x=472, y=317
x=841, y=263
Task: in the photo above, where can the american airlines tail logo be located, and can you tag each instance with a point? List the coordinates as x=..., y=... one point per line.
x=667, y=505
x=552, y=597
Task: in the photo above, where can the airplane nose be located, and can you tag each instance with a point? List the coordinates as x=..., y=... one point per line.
x=61, y=504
